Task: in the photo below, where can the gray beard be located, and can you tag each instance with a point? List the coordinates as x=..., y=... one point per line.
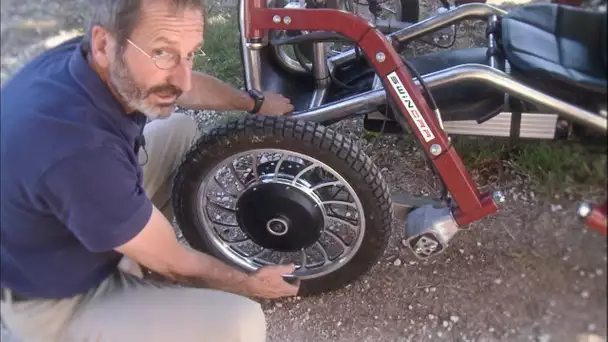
x=133, y=95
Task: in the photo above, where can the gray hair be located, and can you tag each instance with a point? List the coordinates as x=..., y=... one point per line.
x=120, y=17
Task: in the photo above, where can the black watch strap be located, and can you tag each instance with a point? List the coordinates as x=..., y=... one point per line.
x=258, y=98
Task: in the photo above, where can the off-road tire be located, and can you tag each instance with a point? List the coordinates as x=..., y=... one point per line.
x=324, y=144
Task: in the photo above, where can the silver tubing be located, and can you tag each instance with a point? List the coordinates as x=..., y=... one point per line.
x=287, y=62
x=318, y=97
x=460, y=13
x=492, y=41
x=368, y=101
x=354, y=105
x=320, y=69
x=251, y=56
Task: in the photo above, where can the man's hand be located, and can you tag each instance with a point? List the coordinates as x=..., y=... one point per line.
x=275, y=105
x=268, y=282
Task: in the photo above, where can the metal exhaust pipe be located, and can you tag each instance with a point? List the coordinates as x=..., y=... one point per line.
x=369, y=101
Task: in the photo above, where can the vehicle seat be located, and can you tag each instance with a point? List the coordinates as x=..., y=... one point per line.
x=557, y=44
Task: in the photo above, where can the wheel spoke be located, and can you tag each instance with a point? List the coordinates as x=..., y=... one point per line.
x=302, y=258
x=236, y=174
x=322, y=185
x=349, y=204
x=337, y=238
x=343, y=221
x=301, y=173
x=323, y=251
x=221, y=207
x=257, y=258
x=214, y=220
x=279, y=162
x=254, y=167
x=223, y=187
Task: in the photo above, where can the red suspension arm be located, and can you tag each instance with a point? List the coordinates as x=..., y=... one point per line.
x=399, y=85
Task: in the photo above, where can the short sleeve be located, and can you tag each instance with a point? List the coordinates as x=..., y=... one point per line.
x=97, y=195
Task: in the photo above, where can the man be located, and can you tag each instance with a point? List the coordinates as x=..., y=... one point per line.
x=75, y=198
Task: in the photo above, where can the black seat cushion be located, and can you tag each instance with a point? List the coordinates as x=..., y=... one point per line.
x=557, y=43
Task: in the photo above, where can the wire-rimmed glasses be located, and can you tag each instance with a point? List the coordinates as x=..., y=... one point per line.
x=166, y=60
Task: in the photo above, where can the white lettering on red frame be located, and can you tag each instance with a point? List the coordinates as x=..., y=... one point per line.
x=410, y=106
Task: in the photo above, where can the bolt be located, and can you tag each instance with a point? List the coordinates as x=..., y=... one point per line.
x=498, y=196
x=583, y=210
x=435, y=149
x=287, y=20
x=380, y=57
x=276, y=19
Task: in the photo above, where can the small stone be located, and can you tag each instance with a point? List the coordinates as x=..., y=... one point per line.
x=278, y=305
x=478, y=243
x=431, y=316
x=397, y=262
x=498, y=281
x=339, y=324
x=544, y=338
x=384, y=169
x=585, y=294
x=582, y=273
x=591, y=327
x=461, y=251
x=375, y=317
x=439, y=334
x=413, y=263
x=599, y=272
x=491, y=329
x=454, y=318
x=446, y=324
x=556, y=207
x=433, y=289
x=410, y=307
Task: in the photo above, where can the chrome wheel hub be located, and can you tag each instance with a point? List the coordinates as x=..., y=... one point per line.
x=272, y=206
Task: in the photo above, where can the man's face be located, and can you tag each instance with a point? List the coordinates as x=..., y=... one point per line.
x=161, y=31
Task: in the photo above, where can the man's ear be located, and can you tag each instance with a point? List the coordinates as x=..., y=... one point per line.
x=101, y=46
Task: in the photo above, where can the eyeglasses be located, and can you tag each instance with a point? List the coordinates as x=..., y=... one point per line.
x=165, y=60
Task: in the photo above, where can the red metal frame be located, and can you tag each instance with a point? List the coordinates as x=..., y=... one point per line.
x=398, y=83
x=597, y=219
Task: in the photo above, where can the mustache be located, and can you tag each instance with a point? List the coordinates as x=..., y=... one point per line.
x=165, y=89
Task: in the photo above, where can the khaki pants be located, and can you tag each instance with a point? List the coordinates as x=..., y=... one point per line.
x=130, y=309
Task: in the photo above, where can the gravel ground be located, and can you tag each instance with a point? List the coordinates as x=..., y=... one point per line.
x=529, y=273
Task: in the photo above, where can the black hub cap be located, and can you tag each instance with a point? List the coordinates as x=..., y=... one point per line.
x=280, y=217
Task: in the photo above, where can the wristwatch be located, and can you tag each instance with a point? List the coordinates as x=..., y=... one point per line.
x=258, y=97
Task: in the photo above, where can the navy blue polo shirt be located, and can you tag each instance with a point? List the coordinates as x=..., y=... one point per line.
x=71, y=185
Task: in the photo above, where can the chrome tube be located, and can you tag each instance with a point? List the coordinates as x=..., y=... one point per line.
x=439, y=21
x=320, y=69
x=436, y=22
x=354, y=105
x=492, y=22
x=251, y=56
x=368, y=101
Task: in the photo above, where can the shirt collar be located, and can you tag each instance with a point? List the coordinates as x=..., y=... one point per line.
x=101, y=95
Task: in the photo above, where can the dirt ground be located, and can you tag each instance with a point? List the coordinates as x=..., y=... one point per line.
x=529, y=273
